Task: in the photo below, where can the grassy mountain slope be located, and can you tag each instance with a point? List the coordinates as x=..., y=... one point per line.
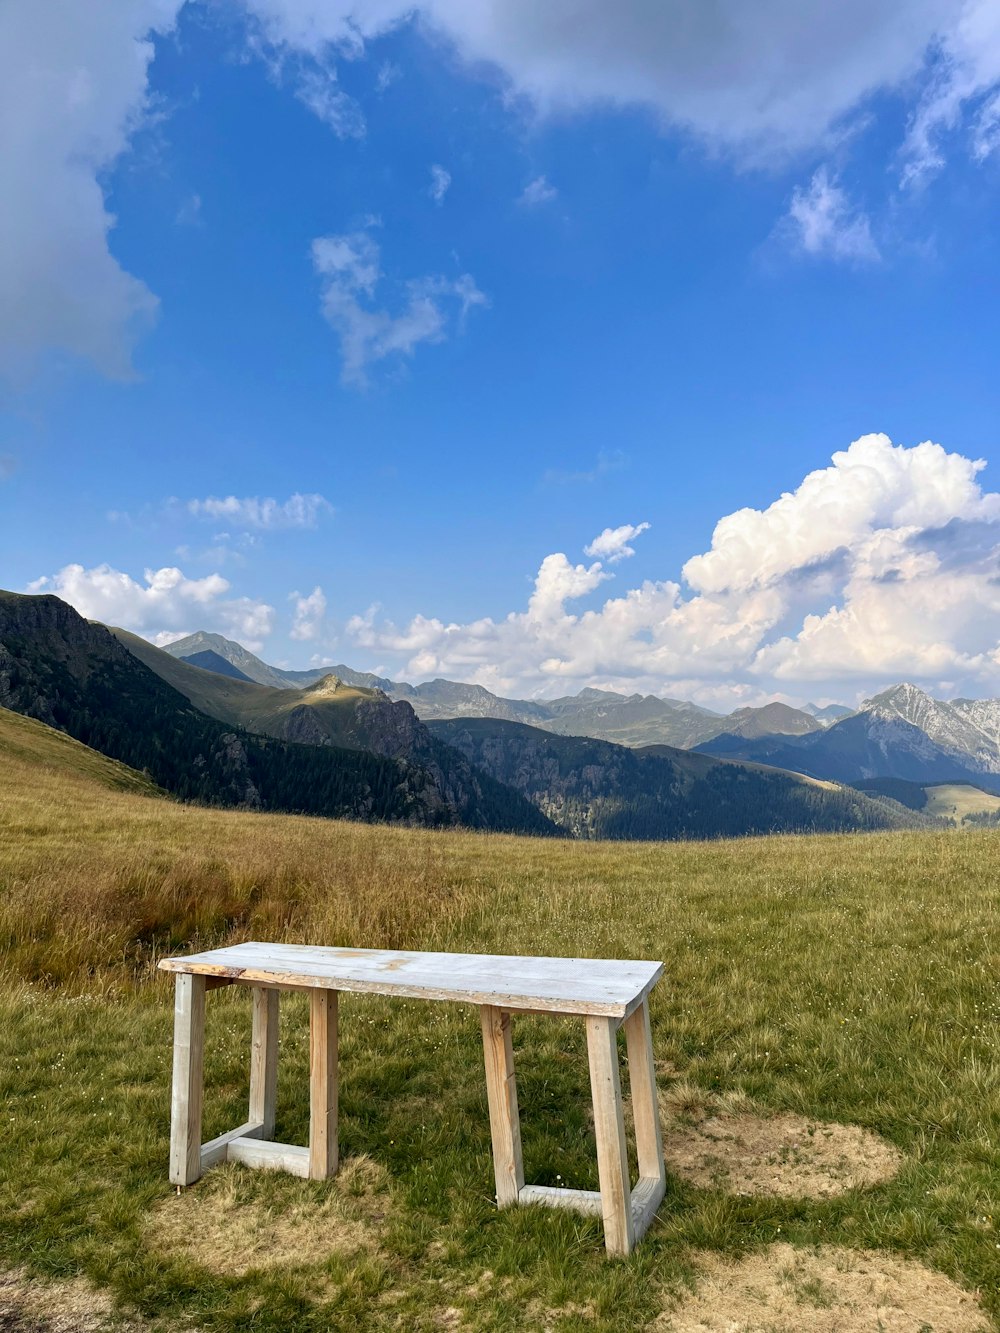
x=599, y=790
x=953, y=802
x=28, y=747
x=321, y=714
x=77, y=677
x=329, y=712
x=209, y=660
x=252, y=668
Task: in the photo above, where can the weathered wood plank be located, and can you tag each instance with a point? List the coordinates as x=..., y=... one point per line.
x=264, y=1059
x=609, y=1130
x=270, y=1156
x=578, y=1201
x=186, y=1094
x=646, y=1198
x=215, y=1150
x=551, y=985
x=645, y=1104
x=501, y=1092
x=323, y=1144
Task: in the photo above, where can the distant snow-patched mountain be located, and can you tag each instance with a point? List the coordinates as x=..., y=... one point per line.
x=901, y=733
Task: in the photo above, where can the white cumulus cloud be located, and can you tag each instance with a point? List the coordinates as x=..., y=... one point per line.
x=308, y=614
x=613, y=543
x=73, y=89
x=298, y=511
x=884, y=565
x=349, y=268
x=165, y=605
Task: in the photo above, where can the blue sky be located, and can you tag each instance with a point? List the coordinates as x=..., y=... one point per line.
x=410, y=310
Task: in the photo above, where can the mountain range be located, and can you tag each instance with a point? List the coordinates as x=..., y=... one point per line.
x=626, y=719
x=202, y=727
x=77, y=676
x=901, y=733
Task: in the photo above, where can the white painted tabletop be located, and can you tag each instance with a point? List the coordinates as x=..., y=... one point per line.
x=609, y=987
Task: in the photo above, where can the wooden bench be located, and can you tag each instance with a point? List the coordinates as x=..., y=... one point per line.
x=606, y=994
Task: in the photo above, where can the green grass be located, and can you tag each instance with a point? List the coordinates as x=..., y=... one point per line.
x=955, y=800
x=849, y=978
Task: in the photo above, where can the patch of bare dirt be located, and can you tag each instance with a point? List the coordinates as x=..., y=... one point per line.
x=826, y=1290
x=28, y=1305
x=784, y=1155
x=234, y=1221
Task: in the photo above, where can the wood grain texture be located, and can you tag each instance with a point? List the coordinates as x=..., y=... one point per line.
x=609, y=1131
x=612, y=987
x=323, y=1144
x=646, y=1198
x=270, y=1156
x=186, y=1093
x=577, y=1201
x=264, y=1059
x=501, y=1092
x=645, y=1103
x=217, y=1150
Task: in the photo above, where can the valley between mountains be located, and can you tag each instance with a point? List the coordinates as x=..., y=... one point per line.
x=205, y=720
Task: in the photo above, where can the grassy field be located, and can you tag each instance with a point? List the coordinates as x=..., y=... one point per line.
x=955, y=800
x=843, y=978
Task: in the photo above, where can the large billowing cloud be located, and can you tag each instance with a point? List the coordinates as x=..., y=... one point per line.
x=164, y=606
x=767, y=79
x=73, y=85
x=759, y=81
x=884, y=565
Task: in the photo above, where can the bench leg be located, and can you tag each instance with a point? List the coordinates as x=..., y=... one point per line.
x=323, y=1146
x=264, y=1060
x=501, y=1092
x=609, y=1128
x=645, y=1106
x=186, y=1097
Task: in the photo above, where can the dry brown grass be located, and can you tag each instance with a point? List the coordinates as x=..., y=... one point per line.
x=824, y=1290
x=28, y=1305
x=91, y=893
x=236, y=1221
x=783, y=1156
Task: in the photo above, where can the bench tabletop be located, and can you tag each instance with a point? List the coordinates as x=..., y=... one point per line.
x=610, y=987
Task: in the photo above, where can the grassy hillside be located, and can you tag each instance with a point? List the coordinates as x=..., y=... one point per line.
x=844, y=978
x=46, y=758
x=956, y=800
x=264, y=709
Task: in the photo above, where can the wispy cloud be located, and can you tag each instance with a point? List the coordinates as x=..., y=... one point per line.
x=608, y=460
x=440, y=181
x=822, y=222
x=387, y=75
x=349, y=267
x=317, y=88
x=189, y=213
x=298, y=511
x=538, y=191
